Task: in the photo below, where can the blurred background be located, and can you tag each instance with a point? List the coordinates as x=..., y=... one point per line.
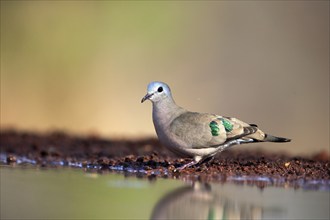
x=83, y=66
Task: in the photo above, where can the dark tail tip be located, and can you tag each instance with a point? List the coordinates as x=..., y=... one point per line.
x=271, y=138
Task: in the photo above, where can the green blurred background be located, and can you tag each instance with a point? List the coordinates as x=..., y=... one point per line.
x=83, y=66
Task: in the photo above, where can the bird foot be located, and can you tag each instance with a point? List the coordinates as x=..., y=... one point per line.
x=192, y=163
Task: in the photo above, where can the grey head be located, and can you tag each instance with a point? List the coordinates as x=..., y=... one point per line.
x=157, y=91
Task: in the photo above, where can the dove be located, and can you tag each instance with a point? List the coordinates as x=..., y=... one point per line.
x=198, y=135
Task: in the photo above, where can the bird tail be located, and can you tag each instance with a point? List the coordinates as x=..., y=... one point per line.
x=271, y=138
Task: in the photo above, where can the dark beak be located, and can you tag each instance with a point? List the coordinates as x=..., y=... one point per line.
x=147, y=96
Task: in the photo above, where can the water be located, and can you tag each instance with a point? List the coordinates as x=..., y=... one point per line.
x=33, y=193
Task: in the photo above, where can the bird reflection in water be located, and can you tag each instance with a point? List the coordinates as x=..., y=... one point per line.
x=199, y=201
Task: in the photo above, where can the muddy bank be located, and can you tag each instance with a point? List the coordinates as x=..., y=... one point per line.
x=147, y=158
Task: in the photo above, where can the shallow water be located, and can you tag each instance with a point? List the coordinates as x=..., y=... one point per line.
x=72, y=193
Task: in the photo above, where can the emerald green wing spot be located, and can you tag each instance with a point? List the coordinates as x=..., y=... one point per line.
x=211, y=214
x=214, y=128
x=228, y=126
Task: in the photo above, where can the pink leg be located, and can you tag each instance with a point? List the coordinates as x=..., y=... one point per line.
x=185, y=166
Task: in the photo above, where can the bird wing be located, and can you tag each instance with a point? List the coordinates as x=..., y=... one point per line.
x=201, y=130
x=241, y=129
x=194, y=130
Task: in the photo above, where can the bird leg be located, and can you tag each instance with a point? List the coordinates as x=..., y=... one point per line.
x=192, y=163
x=206, y=159
x=234, y=142
x=198, y=160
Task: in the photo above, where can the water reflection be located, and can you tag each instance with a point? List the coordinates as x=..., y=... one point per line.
x=229, y=201
x=202, y=201
x=89, y=195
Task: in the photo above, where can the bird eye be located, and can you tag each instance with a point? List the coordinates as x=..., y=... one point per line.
x=160, y=89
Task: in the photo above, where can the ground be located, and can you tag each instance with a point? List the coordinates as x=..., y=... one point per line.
x=147, y=158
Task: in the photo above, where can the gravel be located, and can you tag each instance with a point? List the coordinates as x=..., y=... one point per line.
x=147, y=158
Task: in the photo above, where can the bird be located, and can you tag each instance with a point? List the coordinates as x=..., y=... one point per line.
x=198, y=135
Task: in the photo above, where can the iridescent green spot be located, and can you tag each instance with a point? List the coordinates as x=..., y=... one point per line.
x=214, y=128
x=228, y=126
x=211, y=214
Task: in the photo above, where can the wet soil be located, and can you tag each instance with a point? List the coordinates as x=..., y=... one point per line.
x=147, y=158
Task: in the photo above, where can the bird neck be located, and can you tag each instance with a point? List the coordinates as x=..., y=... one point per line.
x=165, y=111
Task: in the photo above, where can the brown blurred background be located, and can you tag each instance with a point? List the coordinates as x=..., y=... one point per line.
x=83, y=66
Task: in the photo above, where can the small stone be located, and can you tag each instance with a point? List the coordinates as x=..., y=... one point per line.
x=287, y=164
x=11, y=159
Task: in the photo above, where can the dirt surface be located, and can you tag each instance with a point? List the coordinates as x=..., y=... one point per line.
x=147, y=158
